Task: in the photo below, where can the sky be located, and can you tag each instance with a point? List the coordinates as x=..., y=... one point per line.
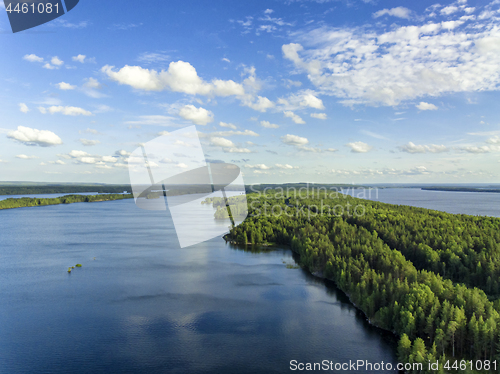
x=357, y=91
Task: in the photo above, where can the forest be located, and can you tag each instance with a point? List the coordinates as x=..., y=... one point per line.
x=62, y=188
x=430, y=277
x=67, y=199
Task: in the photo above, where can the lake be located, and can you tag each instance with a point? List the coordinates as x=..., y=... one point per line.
x=474, y=203
x=141, y=304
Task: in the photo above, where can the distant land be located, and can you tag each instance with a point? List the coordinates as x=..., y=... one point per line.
x=461, y=189
x=30, y=188
x=67, y=199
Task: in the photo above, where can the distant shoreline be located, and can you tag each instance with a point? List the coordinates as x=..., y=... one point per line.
x=25, y=202
x=460, y=189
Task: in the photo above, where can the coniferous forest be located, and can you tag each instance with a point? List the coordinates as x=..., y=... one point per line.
x=430, y=277
x=67, y=199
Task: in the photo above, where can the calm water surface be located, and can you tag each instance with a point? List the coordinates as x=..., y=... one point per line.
x=140, y=304
x=474, y=203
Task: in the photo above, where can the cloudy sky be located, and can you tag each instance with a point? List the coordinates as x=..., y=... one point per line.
x=289, y=90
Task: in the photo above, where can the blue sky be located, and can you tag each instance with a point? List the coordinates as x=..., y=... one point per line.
x=290, y=91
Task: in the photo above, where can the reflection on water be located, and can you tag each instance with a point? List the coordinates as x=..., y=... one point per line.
x=146, y=305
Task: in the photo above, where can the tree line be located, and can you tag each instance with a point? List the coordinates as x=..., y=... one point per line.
x=61, y=188
x=67, y=199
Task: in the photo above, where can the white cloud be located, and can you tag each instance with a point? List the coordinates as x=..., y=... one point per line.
x=90, y=131
x=180, y=77
x=77, y=154
x=359, y=147
x=450, y=25
x=56, y=61
x=426, y=106
x=319, y=115
x=157, y=120
x=295, y=118
x=373, y=66
x=65, y=110
x=25, y=157
x=286, y=166
x=485, y=14
x=58, y=162
x=493, y=140
x=228, y=125
x=232, y=133
x=258, y=166
x=33, y=58
x=92, y=83
x=88, y=160
x=237, y=150
x=413, y=148
x=490, y=44
x=49, y=66
x=268, y=125
x=91, y=88
x=23, y=108
x=291, y=52
x=122, y=153
x=198, y=116
x=153, y=57
x=479, y=149
x=227, y=88
x=64, y=23
x=109, y=159
x=79, y=58
x=222, y=142
x=88, y=142
x=101, y=108
x=294, y=140
x=260, y=104
x=450, y=9
x=82, y=157
x=372, y=134
x=418, y=170
x=288, y=83
x=65, y=86
x=225, y=59
x=29, y=136
x=400, y=12
x=227, y=145
x=303, y=99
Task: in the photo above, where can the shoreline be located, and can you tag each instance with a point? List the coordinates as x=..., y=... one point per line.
x=318, y=274
x=27, y=202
